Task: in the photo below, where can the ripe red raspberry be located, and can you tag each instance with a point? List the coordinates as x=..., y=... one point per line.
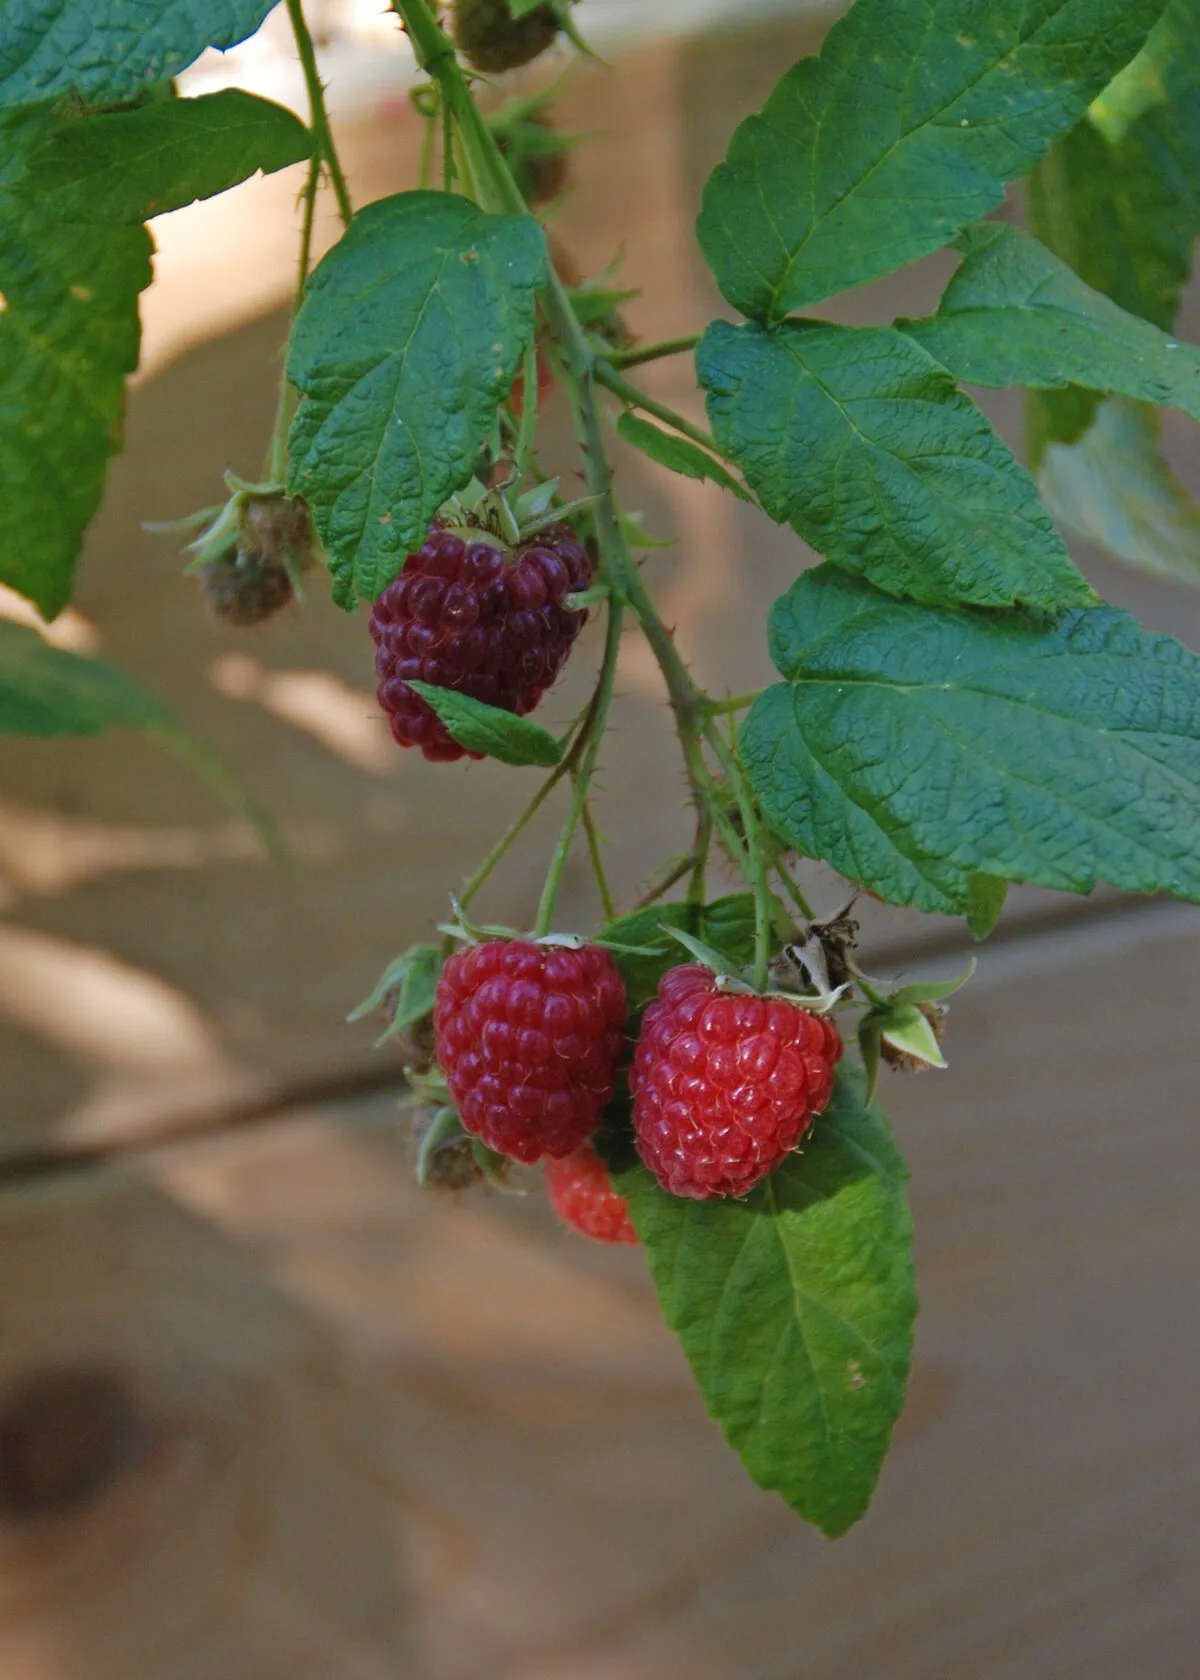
x=582, y=1197
x=468, y=613
x=529, y=1037
x=725, y=1084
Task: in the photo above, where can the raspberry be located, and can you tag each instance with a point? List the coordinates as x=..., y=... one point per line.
x=536, y=155
x=582, y=1197
x=469, y=614
x=725, y=1084
x=252, y=580
x=242, y=587
x=491, y=39
x=529, y=1037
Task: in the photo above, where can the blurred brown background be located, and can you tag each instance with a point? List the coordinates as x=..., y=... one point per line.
x=265, y=1409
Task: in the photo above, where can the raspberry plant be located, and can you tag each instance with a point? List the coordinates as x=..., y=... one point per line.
x=953, y=710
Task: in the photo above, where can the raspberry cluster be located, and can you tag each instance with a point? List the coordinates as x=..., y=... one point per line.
x=725, y=1083
x=467, y=613
x=582, y=1197
x=529, y=1037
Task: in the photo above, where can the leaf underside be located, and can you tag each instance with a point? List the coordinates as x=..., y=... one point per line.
x=46, y=691
x=677, y=454
x=1014, y=314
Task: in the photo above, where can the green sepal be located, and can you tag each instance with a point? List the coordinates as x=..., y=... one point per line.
x=412, y=979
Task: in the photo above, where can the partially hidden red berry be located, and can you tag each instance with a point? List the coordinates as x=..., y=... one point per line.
x=470, y=614
x=529, y=1037
x=582, y=1197
x=725, y=1083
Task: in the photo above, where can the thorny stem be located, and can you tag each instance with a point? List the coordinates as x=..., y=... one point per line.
x=529, y=405
x=589, y=740
x=676, y=872
x=630, y=394
x=515, y=828
x=277, y=454
x=435, y=53
x=794, y=893
x=736, y=703
x=324, y=150
x=607, y=903
x=704, y=828
x=652, y=352
x=429, y=134
x=763, y=905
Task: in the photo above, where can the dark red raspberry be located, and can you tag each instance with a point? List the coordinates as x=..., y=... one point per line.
x=725, y=1084
x=529, y=1037
x=469, y=614
x=582, y=1197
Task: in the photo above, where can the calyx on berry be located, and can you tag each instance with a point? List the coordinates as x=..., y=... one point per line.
x=536, y=152
x=786, y=979
x=250, y=552
x=904, y=1029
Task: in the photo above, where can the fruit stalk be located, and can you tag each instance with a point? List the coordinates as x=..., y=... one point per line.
x=592, y=737
x=435, y=53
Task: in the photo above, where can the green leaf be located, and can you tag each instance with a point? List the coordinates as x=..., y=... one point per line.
x=1119, y=199
x=676, y=453
x=727, y=925
x=517, y=9
x=902, y=131
x=73, y=259
x=107, y=52
x=126, y=166
x=1117, y=489
x=914, y=749
x=1015, y=315
x=416, y=991
x=412, y=331
x=45, y=691
x=795, y=1307
x=489, y=730
x=69, y=335
x=863, y=444
x=415, y=970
